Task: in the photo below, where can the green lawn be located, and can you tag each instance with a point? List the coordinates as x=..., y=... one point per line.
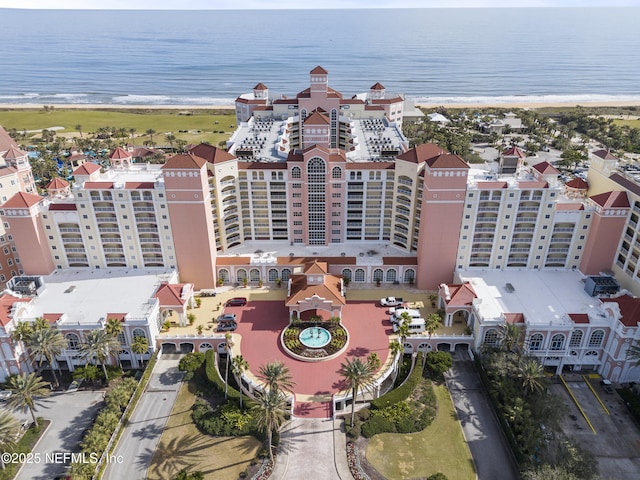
x=438, y=448
x=183, y=446
x=628, y=123
x=209, y=122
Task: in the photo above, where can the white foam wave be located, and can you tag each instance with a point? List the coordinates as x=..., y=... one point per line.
x=511, y=99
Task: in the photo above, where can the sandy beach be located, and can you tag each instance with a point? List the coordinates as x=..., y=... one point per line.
x=526, y=105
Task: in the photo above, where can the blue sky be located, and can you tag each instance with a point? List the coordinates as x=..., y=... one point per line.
x=287, y=4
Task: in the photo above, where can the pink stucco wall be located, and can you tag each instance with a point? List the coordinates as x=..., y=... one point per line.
x=602, y=243
x=32, y=246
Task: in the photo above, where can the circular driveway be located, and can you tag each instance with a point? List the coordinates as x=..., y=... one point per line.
x=260, y=324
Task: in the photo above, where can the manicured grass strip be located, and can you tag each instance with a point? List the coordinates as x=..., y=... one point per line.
x=182, y=446
x=25, y=445
x=438, y=448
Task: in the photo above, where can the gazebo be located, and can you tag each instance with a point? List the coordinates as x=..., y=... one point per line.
x=175, y=297
x=457, y=302
x=315, y=294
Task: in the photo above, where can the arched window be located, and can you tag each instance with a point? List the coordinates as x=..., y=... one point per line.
x=223, y=274
x=241, y=274
x=73, y=342
x=204, y=347
x=378, y=275
x=359, y=275
x=576, y=338
x=391, y=275
x=139, y=333
x=316, y=165
x=591, y=353
x=491, y=337
x=535, y=342
x=254, y=275
x=346, y=273
x=122, y=339
x=336, y=173
x=409, y=275
x=286, y=273
x=596, y=338
x=295, y=172
x=557, y=342
x=272, y=275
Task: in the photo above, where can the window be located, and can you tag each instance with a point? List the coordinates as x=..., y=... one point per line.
x=254, y=275
x=346, y=273
x=139, y=333
x=241, y=275
x=359, y=275
x=223, y=274
x=73, y=342
x=557, y=342
x=491, y=337
x=336, y=173
x=391, y=275
x=535, y=342
x=296, y=185
x=576, y=338
x=409, y=275
x=286, y=273
x=272, y=275
x=377, y=275
x=596, y=338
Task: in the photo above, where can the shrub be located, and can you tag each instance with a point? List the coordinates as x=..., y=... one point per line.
x=225, y=420
x=114, y=371
x=354, y=432
x=191, y=362
x=438, y=363
x=632, y=401
x=375, y=425
x=214, y=377
x=403, y=391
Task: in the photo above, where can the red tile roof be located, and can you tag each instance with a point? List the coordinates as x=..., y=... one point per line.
x=577, y=184
x=6, y=142
x=170, y=294
x=211, y=154
x=57, y=183
x=386, y=101
x=513, y=318
x=22, y=200
x=318, y=70
x=461, y=294
x=187, y=161
x=605, y=155
x=447, y=160
x=329, y=290
x=305, y=260
x=533, y=184
x=613, y=199
x=120, y=154
x=117, y=316
x=546, y=168
x=86, y=169
x=6, y=306
x=629, y=308
x=377, y=86
x=492, y=185
x=421, y=153
x=316, y=118
x=579, y=317
x=260, y=86
x=139, y=185
x=14, y=153
x=52, y=317
x=316, y=267
x=569, y=206
x=513, y=151
x=99, y=185
x=399, y=260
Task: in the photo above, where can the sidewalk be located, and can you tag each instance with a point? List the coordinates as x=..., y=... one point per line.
x=312, y=449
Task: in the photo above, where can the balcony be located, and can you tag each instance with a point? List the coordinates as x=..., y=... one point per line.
x=488, y=209
x=146, y=218
x=104, y=209
x=143, y=209
x=69, y=230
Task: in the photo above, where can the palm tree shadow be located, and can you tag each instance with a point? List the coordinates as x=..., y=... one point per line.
x=73, y=433
x=358, y=352
x=178, y=454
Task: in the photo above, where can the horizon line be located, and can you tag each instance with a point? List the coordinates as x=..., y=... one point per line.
x=462, y=7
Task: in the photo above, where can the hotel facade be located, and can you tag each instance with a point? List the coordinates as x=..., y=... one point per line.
x=320, y=176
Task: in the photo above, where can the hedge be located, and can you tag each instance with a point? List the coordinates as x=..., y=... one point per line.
x=403, y=391
x=213, y=375
x=632, y=401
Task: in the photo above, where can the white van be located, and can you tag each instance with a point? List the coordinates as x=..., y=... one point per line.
x=399, y=311
x=417, y=325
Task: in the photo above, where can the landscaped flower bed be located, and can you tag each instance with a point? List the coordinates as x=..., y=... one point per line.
x=291, y=339
x=265, y=471
x=354, y=462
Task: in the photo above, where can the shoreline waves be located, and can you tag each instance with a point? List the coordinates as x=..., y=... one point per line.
x=513, y=104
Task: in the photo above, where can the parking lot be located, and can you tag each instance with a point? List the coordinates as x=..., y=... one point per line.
x=616, y=442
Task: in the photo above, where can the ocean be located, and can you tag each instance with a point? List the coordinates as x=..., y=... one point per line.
x=437, y=56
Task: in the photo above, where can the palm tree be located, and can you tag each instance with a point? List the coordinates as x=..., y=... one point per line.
x=531, y=372
x=47, y=343
x=239, y=365
x=8, y=429
x=269, y=414
x=633, y=353
x=396, y=348
x=23, y=332
x=26, y=388
x=132, y=132
x=403, y=327
x=433, y=322
x=357, y=375
x=170, y=138
x=151, y=132
x=510, y=336
x=40, y=324
x=113, y=328
x=140, y=346
x=100, y=346
x=277, y=376
x=228, y=345
x=79, y=129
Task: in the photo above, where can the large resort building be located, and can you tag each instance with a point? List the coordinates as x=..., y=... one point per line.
x=320, y=176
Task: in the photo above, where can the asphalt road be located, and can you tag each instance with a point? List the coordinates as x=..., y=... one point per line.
x=70, y=415
x=134, y=452
x=489, y=449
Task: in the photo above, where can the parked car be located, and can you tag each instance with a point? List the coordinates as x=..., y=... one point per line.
x=227, y=326
x=606, y=386
x=227, y=317
x=237, y=302
x=207, y=293
x=5, y=395
x=391, y=301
